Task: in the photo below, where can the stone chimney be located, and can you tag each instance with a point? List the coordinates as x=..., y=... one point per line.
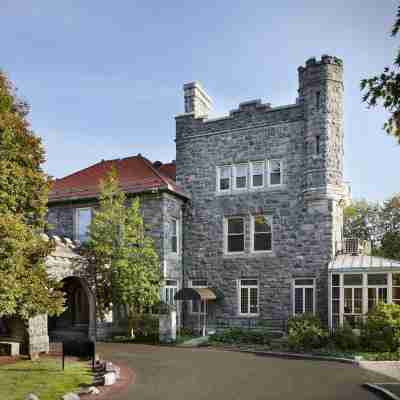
x=197, y=100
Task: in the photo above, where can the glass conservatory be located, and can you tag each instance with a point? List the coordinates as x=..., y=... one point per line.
x=357, y=283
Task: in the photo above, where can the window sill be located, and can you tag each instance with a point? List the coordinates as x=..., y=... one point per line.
x=250, y=254
x=234, y=192
x=249, y=315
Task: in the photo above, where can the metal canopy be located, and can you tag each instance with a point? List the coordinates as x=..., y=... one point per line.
x=195, y=294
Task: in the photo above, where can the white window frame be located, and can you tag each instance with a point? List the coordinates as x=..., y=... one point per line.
x=76, y=219
x=171, y=289
x=252, y=233
x=226, y=236
x=303, y=287
x=175, y=221
x=270, y=171
x=219, y=170
x=252, y=163
x=235, y=168
x=203, y=304
x=248, y=287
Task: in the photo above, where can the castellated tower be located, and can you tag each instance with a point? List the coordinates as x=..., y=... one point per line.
x=265, y=211
x=321, y=91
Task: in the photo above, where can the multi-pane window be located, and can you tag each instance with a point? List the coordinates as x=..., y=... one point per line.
x=262, y=233
x=174, y=235
x=235, y=235
x=248, y=293
x=257, y=174
x=304, y=296
x=249, y=175
x=353, y=298
x=170, y=289
x=224, y=180
x=335, y=300
x=377, y=289
x=83, y=217
x=241, y=172
x=275, y=172
x=199, y=306
x=396, y=288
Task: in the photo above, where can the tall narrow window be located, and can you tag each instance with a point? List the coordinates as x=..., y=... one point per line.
x=257, y=174
x=235, y=235
x=377, y=289
x=83, y=217
x=353, y=295
x=248, y=296
x=174, y=236
x=396, y=288
x=199, y=306
x=318, y=100
x=224, y=179
x=275, y=172
x=304, y=296
x=335, y=300
x=170, y=289
x=317, y=144
x=241, y=172
x=262, y=233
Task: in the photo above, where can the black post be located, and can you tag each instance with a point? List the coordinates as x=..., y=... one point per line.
x=63, y=356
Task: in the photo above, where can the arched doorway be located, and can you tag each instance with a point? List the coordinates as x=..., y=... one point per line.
x=77, y=321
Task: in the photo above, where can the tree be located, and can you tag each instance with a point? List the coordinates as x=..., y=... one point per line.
x=361, y=221
x=122, y=255
x=26, y=290
x=390, y=226
x=385, y=88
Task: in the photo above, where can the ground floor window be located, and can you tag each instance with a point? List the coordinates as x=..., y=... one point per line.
x=248, y=297
x=303, y=296
x=170, y=289
x=353, y=295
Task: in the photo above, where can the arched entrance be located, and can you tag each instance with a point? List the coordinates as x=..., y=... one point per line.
x=77, y=321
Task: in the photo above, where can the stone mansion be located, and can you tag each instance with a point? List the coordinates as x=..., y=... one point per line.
x=251, y=211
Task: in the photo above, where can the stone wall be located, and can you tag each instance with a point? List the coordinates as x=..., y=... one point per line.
x=304, y=210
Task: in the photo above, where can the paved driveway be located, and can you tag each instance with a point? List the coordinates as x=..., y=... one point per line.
x=165, y=373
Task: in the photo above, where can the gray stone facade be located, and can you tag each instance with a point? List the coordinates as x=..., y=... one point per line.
x=158, y=211
x=305, y=209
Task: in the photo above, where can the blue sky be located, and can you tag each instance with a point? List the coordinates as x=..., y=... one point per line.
x=104, y=79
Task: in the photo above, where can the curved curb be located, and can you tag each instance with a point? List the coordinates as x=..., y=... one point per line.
x=294, y=356
x=374, y=387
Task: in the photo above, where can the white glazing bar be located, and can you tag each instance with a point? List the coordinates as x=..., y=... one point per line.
x=341, y=310
x=365, y=295
x=390, y=288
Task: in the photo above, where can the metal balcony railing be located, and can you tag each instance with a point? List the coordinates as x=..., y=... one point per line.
x=353, y=246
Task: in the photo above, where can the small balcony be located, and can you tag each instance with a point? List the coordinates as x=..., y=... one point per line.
x=353, y=247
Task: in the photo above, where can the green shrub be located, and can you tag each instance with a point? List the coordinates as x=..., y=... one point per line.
x=345, y=339
x=242, y=336
x=305, y=332
x=381, y=331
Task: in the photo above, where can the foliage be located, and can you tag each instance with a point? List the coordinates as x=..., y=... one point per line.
x=305, y=332
x=120, y=255
x=45, y=378
x=376, y=223
x=26, y=290
x=345, y=339
x=361, y=221
x=145, y=329
x=242, y=336
x=385, y=88
x=381, y=331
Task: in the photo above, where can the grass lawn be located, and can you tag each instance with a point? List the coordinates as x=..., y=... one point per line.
x=43, y=377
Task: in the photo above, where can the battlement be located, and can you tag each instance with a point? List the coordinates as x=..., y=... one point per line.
x=325, y=59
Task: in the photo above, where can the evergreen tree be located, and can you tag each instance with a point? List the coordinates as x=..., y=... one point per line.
x=25, y=288
x=120, y=255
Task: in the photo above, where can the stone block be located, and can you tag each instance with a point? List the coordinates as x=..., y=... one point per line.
x=9, y=349
x=110, y=378
x=70, y=396
x=31, y=396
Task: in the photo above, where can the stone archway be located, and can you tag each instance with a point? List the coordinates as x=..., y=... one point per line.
x=78, y=319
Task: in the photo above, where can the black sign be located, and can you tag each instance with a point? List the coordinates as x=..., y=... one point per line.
x=79, y=348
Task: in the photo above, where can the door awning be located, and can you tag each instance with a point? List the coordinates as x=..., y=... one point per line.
x=195, y=294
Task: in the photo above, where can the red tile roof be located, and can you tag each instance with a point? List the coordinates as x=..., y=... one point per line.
x=136, y=174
